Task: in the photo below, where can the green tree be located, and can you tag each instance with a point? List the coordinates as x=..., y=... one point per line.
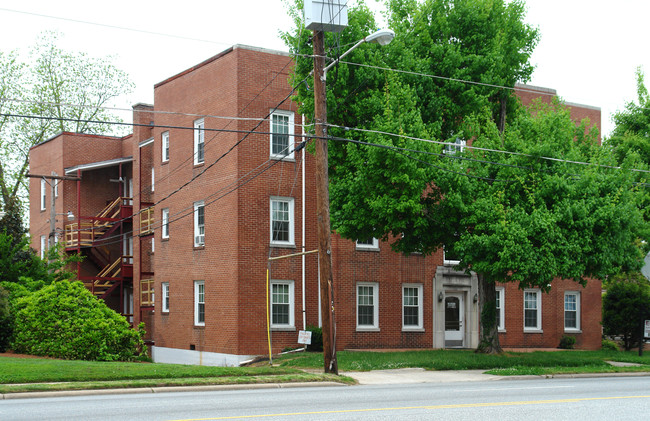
x=6, y=321
x=65, y=320
x=625, y=305
x=66, y=90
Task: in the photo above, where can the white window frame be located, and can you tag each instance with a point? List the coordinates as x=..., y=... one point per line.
x=153, y=179
x=418, y=288
x=165, y=146
x=199, y=230
x=56, y=185
x=165, y=297
x=199, y=139
x=165, y=223
x=291, y=203
x=457, y=147
x=198, y=295
x=445, y=261
x=43, y=246
x=290, y=143
x=365, y=246
x=576, y=294
x=291, y=303
x=538, y=327
x=375, y=303
x=501, y=309
x=43, y=194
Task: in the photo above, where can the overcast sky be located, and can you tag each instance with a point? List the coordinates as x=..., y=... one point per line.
x=588, y=52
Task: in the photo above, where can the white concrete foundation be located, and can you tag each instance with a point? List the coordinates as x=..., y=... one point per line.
x=185, y=356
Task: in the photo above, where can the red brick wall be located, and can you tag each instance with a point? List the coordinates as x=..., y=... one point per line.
x=553, y=317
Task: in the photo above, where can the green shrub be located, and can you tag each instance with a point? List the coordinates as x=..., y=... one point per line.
x=316, y=339
x=64, y=320
x=567, y=342
x=625, y=305
x=608, y=345
x=6, y=321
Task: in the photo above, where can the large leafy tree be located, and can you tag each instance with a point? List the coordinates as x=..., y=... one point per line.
x=66, y=89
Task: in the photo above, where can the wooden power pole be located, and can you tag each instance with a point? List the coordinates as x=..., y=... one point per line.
x=323, y=208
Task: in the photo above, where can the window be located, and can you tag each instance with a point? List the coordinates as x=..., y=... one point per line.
x=368, y=244
x=165, y=223
x=43, y=246
x=457, y=147
x=282, y=304
x=165, y=297
x=572, y=311
x=282, y=221
x=199, y=303
x=199, y=224
x=199, y=141
x=43, y=197
x=501, y=323
x=449, y=258
x=165, y=146
x=153, y=179
x=532, y=310
x=56, y=185
x=367, y=306
x=412, y=306
x=282, y=134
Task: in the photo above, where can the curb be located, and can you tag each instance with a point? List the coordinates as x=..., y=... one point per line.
x=166, y=389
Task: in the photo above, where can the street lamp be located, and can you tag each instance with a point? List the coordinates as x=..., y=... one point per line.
x=382, y=37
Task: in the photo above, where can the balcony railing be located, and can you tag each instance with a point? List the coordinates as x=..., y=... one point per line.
x=146, y=293
x=147, y=220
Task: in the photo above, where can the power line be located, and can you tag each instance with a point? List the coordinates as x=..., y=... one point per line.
x=122, y=28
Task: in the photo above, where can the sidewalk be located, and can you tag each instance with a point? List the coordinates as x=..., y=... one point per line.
x=419, y=375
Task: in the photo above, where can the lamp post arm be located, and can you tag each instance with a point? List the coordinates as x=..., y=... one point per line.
x=329, y=66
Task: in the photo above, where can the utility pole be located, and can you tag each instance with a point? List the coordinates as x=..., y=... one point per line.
x=323, y=208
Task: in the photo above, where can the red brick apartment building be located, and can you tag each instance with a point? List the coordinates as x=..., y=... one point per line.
x=191, y=206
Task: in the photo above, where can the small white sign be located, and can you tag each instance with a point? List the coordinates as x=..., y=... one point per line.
x=646, y=331
x=304, y=337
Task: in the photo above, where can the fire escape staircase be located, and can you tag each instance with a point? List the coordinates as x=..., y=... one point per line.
x=92, y=235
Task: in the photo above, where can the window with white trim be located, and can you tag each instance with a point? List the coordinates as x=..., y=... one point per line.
x=448, y=258
x=282, y=141
x=282, y=304
x=153, y=179
x=411, y=306
x=199, y=141
x=282, y=221
x=43, y=246
x=165, y=223
x=457, y=147
x=500, y=307
x=165, y=297
x=199, y=303
x=572, y=311
x=368, y=244
x=367, y=306
x=199, y=224
x=165, y=146
x=43, y=194
x=532, y=310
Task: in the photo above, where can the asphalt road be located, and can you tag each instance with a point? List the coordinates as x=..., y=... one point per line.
x=613, y=398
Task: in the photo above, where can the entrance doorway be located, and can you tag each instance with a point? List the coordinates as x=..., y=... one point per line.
x=454, y=320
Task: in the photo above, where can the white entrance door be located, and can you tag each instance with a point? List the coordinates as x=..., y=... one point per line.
x=454, y=320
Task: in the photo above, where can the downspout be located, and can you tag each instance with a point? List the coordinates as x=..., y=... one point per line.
x=79, y=226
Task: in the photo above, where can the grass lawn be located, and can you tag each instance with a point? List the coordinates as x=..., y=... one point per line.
x=41, y=374
x=509, y=363
x=34, y=374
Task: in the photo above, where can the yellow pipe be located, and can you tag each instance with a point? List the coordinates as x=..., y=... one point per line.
x=268, y=324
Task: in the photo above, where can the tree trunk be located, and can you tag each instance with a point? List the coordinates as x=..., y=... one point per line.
x=502, y=115
x=488, y=328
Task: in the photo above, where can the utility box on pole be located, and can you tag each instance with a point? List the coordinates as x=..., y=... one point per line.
x=326, y=15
